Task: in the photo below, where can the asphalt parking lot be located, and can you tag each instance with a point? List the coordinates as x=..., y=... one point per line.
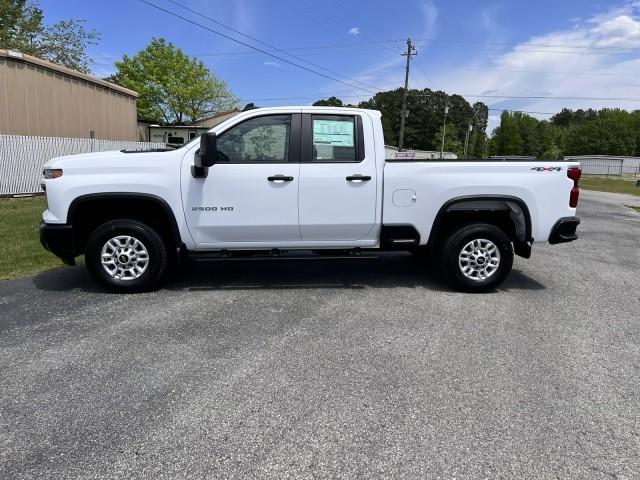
x=338, y=369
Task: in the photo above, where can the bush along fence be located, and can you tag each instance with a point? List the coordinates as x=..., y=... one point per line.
x=22, y=158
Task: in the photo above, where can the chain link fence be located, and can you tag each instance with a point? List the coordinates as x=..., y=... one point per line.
x=609, y=167
x=21, y=158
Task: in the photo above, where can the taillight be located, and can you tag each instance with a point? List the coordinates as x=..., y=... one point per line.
x=574, y=173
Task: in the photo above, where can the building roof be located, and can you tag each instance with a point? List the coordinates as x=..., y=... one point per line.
x=15, y=56
x=179, y=127
x=215, y=115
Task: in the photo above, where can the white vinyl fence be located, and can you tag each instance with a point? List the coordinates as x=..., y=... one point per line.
x=21, y=158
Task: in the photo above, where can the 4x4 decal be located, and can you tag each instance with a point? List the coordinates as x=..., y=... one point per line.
x=547, y=169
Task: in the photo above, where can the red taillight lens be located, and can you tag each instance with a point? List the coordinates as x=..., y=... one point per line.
x=574, y=174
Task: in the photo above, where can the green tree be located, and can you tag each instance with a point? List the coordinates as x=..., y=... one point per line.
x=20, y=23
x=551, y=141
x=528, y=130
x=64, y=42
x=609, y=134
x=329, y=102
x=551, y=152
x=426, y=116
x=173, y=87
x=478, y=141
x=506, y=138
x=452, y=141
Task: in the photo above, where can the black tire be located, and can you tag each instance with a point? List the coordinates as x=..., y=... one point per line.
x=451, y=264
x=158, y=261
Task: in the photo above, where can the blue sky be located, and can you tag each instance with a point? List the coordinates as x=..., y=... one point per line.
x=565, y=48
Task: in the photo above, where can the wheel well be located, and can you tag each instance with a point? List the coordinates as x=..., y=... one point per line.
x=88, y=213
x=511, y=215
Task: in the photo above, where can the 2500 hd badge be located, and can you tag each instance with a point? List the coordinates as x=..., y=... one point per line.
x=212, y=209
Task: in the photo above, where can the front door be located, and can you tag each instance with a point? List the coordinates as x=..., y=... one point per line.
x=338, y=182
x=250, y=196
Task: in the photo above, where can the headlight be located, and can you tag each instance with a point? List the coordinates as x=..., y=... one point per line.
x=50, y=173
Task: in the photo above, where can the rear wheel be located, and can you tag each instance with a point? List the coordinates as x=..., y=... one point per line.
x=477, y=258
x=126, y=256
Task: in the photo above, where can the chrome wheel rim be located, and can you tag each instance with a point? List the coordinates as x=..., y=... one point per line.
x=124, y=258
x=479, y=259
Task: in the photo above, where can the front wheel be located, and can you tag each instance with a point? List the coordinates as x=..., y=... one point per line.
x=126, y=256
x=477, y=258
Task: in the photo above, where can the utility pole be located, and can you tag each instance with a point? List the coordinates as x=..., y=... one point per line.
x=466, y=141
x=411, y=51
x=444, y=129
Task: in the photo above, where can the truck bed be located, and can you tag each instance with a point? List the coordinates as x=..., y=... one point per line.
x=416, y=190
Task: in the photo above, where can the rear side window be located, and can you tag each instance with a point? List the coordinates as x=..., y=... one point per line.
x=334, y=138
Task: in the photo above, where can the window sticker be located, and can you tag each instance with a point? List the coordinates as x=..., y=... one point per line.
x=336, y=133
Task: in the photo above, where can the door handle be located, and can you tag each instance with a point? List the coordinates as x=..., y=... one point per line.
x=358, y=178
x=280, y=178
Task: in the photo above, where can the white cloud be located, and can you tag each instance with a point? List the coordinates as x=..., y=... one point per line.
x=589, y=60
x=622, y=31
x=354, y=31
x=270, y=63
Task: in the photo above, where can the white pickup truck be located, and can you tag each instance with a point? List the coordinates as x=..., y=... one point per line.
x=279, y=181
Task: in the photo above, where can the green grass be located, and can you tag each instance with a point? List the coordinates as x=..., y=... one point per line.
x=20, y=250
x=614, y=185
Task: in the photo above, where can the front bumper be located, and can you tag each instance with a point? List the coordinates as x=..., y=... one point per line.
x=564, y=230
x=59, y=240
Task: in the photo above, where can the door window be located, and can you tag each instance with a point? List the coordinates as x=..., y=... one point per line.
x=258, y=140
x=334, y=138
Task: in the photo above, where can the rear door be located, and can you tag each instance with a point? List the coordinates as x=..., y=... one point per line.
x=338, y=179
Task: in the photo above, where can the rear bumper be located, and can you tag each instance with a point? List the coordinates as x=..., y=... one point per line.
x=564, y=230
x=58, y=239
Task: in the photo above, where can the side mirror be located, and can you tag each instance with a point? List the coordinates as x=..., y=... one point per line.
x=208, y=154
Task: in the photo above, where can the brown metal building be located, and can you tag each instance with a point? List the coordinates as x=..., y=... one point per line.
x=150, y=131
x=40, y=98
x=215, y=119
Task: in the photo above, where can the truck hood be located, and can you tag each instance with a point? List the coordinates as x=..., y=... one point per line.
x=87, y=160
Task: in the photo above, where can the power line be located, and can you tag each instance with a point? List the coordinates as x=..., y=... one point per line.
x=506, y=97
x=398, y=41
x=550, y=72
x=353, y=46
x=525, y=44
x=539, y=97
x=520, y=49
x=448, y=45
x=253, y=47
x=306, y=97
x=266, y=44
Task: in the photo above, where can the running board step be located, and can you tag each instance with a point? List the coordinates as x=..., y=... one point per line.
x=403, y=241
x=399, y=237
x=226, y=255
